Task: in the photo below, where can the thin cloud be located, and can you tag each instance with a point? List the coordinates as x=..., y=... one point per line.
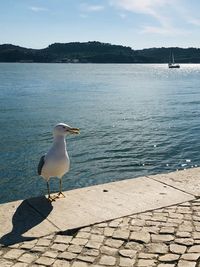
x=163, y=30
x=37, y=9
x=158, y=9
x=151, y=8
x=122, y=15
x=91, y=8
x=142, y=6
x=194, y=21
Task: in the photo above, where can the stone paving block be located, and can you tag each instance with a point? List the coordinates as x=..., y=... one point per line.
x=75, y=248
x=13, y=254
x=83, y=235
x=45, y=261
x=159, y=218
x=59, y=247
x=151, y=230
x=149, y=256
x=190, y=256
x=51, y=254
x=90, y=252
x=125, y=262
x=108, y=250
x=114, y=243
x=162, y=238
x=67, y=255
x=20, y=264
x=178, y=249
x=134, y=246
x=143, y=237
x=115, y=223
x=183, y=234
x=196, y=235
x=5, y=263
x=167, y=230
x=184, y=241
x=138, y=222
x=97, y=230
x=121, y=234
x=174, y=215
x=38, y=249
x=128, y=253
x=136, y=228
x=43, y=242
x=159, y=248
x=169, y=258
x=37, y=265
x=183, y=228
x=80, y=264
x=103, y=225
x=27, y=258
x=183, y=263
x=86, y=258
x=108, y=231
x=27, y=245
x=14, y=245
x=146, y=263
x=51, y=236
x=194, y=249
x=107, y=260
x=166, y=265
x=97, y=238
x=79, y=241
x=63, y=239
x=61, y=263
x=93, y=244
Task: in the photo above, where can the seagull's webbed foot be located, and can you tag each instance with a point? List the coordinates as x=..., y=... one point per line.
x=60, y=195
x=51, y=199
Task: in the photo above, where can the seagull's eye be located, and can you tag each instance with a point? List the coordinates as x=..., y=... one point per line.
x=63, y=127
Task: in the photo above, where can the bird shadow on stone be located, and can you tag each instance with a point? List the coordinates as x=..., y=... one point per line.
x=24, y=219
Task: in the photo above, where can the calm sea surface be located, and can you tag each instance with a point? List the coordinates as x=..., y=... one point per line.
x=134, y=119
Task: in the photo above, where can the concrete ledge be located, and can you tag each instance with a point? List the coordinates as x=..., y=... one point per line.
x=37, y=217
x=186, y=180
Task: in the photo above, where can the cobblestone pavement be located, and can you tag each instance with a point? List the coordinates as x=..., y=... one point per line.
x=166, y=237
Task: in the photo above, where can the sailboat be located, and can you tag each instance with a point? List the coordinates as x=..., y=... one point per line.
x=172, y=64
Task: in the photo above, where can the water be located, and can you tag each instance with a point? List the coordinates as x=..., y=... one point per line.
x=134, y=119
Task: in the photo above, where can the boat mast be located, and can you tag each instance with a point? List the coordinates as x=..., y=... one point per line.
x=173, y=58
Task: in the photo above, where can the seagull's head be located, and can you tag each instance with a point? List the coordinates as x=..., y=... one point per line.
x=62, y=129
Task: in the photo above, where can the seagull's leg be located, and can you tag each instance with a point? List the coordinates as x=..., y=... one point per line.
x=60, y=192
x=50, y=198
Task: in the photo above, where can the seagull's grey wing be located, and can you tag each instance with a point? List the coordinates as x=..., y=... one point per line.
x=41, y=164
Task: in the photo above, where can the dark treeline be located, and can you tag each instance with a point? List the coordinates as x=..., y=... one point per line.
x=96, y=52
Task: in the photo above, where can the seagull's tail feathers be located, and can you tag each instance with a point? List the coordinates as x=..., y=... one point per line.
x=41, y=164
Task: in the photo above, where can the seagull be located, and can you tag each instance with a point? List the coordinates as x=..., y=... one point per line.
x=56, y=162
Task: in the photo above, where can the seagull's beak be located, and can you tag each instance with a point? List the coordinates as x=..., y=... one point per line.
x=74, y=130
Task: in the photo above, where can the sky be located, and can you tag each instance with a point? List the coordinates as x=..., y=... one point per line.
x=135, y=23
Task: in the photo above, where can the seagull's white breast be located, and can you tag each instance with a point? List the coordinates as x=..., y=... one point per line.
x=57, y=163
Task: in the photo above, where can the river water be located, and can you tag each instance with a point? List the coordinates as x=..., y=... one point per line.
x=135, y=120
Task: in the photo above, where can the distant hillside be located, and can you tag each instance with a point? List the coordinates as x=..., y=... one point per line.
x=96, y=52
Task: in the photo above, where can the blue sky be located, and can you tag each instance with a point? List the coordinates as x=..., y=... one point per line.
x=134, y=23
